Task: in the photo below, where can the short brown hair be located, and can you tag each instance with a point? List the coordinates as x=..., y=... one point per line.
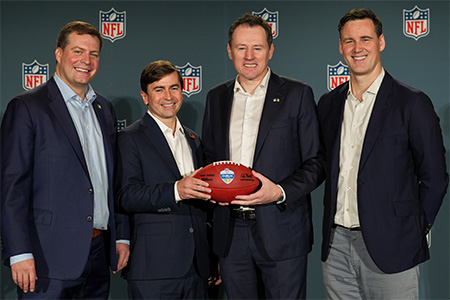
x=360, y=14
x=250, y=20
x=79, y=27
x=157, y=70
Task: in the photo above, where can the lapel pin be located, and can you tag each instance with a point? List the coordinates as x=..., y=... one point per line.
x=191, y=136
x=99, y=106
x=276, y=99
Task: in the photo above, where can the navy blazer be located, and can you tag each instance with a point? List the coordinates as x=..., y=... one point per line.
x=286, y=152
x=166, y=235
x=47, y=195
x=402, y=175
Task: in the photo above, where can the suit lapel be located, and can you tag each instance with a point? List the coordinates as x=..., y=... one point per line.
x=272, y=104
x=191, y=138
x=226, y=104
x=106, y=143
x=381, y=108
x=61, y=113
x=336, y=117
x=156, y=137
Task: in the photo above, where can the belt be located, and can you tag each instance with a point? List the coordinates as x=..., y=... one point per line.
x=246, y=215
x=350, y=229
x=96, y=233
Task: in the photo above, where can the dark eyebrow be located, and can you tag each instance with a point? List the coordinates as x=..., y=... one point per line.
x=162, y=87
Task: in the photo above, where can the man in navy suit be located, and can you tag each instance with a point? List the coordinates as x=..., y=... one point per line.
x=386, y=173
x=268, y=123
x=59, y=228
x=167, y=205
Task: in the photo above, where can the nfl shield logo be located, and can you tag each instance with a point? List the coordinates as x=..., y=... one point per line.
x=337, y=75
x=271, y=18
x=192, y=79
x=121, y=124
x=227, y=175
x=416, y=22
x=112, y=24
x=34, y=74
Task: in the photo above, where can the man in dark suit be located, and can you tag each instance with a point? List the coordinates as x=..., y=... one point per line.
x=167, y=205
x=268, y=123
x=59, y=228
x=386, y=173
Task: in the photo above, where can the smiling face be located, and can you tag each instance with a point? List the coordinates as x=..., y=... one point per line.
x=164, y=98
x=250, y=54
x=361, y=49
x=78, y=62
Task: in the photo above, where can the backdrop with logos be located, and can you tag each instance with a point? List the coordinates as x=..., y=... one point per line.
x=193, y=35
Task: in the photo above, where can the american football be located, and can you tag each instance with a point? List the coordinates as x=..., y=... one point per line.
x=228, y=179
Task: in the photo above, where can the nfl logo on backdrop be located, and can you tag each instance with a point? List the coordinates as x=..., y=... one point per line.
x=337, y=75
x=227, y=175
x=416, y=22
x=112, y=24
x=192, y=79
x=121, y=124
x=271, y=18
x=34, y=74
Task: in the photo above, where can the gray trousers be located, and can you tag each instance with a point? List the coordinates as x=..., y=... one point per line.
x=350, y=273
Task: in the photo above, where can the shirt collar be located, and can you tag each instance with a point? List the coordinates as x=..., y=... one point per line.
x=164, y=128
x=69, y=94
x=262, y=86
x=373, y=88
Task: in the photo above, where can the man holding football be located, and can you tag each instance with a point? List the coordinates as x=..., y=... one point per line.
x=268, y=123
x=157, y=156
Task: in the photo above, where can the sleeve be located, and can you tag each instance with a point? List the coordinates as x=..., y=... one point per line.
x=311, y=172
x=428, y=154
x=17, y=155
x=121, y=218
x=134, y=194
x=207, y=134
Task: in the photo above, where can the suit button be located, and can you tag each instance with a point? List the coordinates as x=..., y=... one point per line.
x=191, y=230
x=89, y=218
x=90, y=191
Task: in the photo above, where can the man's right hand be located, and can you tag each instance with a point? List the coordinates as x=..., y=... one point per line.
x=192, y=188
x=24, y=275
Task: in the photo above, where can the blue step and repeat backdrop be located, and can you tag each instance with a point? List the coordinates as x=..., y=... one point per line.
x=193, y=35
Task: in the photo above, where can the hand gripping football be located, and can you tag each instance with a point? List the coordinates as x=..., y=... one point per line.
x=228, y=179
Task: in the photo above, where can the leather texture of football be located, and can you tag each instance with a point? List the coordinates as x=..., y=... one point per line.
x=228, y=179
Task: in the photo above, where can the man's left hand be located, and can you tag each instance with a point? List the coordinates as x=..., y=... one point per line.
x=268, y=193
x=123, y=250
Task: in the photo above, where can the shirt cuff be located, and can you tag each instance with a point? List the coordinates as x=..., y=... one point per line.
x=123, y=242
x=175, y=190
x=21, y=257
x=282, y=198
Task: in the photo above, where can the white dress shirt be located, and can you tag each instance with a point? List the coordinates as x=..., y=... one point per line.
x=181, y=151
x=354, y=125
x=244, y=122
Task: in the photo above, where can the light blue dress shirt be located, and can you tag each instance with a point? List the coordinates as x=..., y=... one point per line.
x=91, y=139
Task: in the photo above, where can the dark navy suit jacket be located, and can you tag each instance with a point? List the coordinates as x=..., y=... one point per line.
x=47, y=195
x=286, y=152
x=402, y=175
x=166, y=235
